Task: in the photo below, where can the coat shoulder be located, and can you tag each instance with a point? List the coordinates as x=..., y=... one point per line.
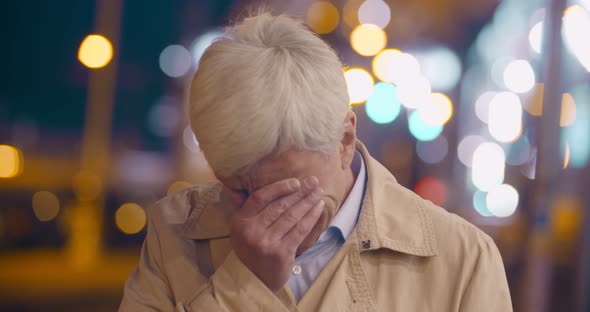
x=176, y=208
x=454, y=233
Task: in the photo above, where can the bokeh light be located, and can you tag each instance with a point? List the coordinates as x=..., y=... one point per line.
x=375, y=12
x=433, y=189
x=505, y=117
x=502, y=200
x=487, y=168
x=45, y=205
x=95, y=51
x=536, y=37
x=479, y=204
x=467, y=147
x=164, y=117
x=11, y=161
x=497, y=70
x=350, y=13
x=383, y=105
x=519, y=76
x=566, y=156
x=323, y=17
x=441, y=66
x=130, y=218
x=175, y=60
x=577, y=134
x=190, y=140
x=533, y=103
x=422, y=131
x=360, y=84
x=568, y=110
x=576, y=23
x=202, y=42
x=566, y=217
x=482, y=105
x=519, y=151
x=437, y=111
x=414, y=91
x=368, y=39
x=177, y=186
x=434, y=151
x=392, y=65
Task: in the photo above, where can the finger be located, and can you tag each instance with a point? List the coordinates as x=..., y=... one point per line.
x=291, y=218
x=295, y=236
x=264, y=196
x=274, y=210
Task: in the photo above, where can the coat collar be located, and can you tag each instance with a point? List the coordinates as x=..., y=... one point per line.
x=392, y=217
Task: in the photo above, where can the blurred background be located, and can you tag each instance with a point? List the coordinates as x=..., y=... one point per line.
x=481, y=106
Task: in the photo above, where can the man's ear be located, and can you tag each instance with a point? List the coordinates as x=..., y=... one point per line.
x=348, y=141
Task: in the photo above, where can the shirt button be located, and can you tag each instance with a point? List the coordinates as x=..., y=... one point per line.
x=296, y=269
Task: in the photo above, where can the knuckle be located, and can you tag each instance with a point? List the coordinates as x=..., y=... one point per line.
x=290, y=217
x=301, y=229
x=282, y=206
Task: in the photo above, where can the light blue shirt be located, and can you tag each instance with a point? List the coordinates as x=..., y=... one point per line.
x=310, y=263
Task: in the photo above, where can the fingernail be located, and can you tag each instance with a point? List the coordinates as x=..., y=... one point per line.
x=310, y=182
x=294, y=184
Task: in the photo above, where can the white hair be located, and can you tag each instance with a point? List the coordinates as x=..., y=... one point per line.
x=267, y=86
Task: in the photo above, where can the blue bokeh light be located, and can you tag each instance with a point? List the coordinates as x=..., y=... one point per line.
x=422, y=131
x=383, y=106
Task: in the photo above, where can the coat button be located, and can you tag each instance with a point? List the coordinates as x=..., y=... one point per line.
x=367, y=244
x=296, y=269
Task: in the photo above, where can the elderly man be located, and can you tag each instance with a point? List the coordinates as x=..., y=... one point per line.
x=303, y=219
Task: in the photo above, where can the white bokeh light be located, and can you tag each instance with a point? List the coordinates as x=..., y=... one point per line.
x=482, y=105
x=375, y=12
x=536, y=37
x=394, y=66
x=175, y=60
x=467, y=147
x=502, y=200
x=437, y=111
x=519, y=76
x=201, y=44
x=487, y=166
x=505, y=117
x=360, y=84
x=441, y=66
x=576, y=24
x=414, y=91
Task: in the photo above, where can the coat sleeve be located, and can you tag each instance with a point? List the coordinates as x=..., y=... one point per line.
x=231, y=288
x=487, y=289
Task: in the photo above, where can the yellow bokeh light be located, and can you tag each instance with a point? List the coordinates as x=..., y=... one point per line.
x=87, y=185
x=382, y=64
x=360, y=84
x=95, y=51
x=568, y=110
x=11, y=161
x=566, y=156
x=323, y=17
x=534, y=103
x=350, y=12
x=130, y=218
x=368, y=39
x=45, y=206
x=438, y=111
x=177, y=186
x=566, y=217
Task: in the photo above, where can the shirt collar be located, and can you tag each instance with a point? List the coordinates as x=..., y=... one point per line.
x=347, y=216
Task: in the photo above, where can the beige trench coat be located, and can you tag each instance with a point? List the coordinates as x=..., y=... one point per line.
x=405, y=254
